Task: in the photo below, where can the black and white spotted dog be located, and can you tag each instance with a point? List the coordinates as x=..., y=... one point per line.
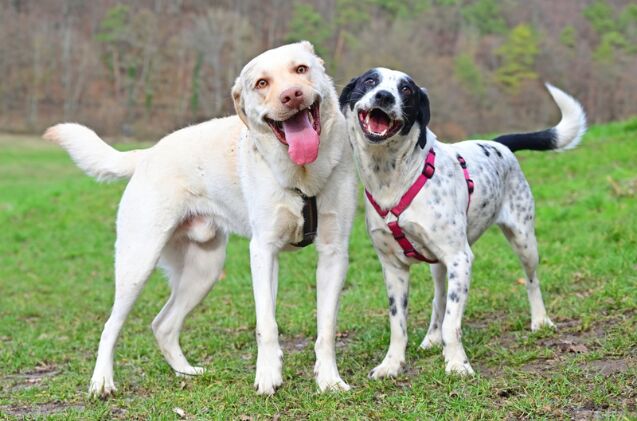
x=387, y=116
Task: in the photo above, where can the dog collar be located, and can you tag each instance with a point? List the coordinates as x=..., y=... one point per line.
x=427, y=173
x=310, y=220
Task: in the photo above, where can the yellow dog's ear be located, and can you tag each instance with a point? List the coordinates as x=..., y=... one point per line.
x=308, y=46
x=237, y=99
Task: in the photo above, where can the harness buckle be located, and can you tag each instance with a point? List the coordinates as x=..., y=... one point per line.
x=470, y=185
x=429, y=170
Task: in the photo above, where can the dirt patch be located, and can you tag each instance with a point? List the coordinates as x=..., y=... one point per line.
x=31, y=378
x=294, y=344
x=343, y=339
x=608, y=367
x=542, y=365
x=299, y=343
x=35, y=410
x=566, y=344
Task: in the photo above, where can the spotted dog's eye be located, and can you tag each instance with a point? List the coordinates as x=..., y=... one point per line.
x=301, y=69
x=406, y=90
x=261, y=83
x=370, y=82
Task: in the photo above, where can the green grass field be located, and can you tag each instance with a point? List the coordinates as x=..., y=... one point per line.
x=56, y=290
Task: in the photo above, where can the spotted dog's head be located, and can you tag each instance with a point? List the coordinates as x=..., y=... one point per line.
x=386, y=104
x=279, y=95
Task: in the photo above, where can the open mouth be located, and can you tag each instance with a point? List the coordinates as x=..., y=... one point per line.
x=312, y=114
x=377, y=124
x=301, y=133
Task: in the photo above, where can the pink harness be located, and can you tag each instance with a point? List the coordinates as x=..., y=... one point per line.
x=427, y=173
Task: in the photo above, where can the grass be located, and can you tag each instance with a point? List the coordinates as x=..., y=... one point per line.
x=56, y=289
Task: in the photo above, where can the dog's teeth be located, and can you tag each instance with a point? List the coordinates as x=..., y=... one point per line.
x=367, y=118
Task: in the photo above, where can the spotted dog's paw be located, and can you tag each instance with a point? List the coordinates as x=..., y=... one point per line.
x=460, y=368
x=432, y=340
x=390, y=367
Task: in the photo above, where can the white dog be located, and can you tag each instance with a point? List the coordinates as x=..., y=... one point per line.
x=429, y=201
x=260, y=174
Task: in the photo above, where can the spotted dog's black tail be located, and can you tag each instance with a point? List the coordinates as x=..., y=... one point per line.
x=566, y=135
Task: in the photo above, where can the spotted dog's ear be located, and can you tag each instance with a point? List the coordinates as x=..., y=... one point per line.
x=237, y=99
x=346, y=95
x=423, y=117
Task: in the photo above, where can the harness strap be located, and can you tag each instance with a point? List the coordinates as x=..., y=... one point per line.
x=310, y=220
x=428, y=172
x=465, y=172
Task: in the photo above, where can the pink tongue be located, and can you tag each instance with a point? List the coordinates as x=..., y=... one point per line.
x=378, y=125
x=302, y=139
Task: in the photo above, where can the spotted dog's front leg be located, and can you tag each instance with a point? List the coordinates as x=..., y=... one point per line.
x=397, y=283
x=459, y=275
x=262, y=262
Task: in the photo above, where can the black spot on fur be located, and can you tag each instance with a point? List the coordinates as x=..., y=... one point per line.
x=454, y=297
x=405, y=301
x=392, y=305
x=485, y=150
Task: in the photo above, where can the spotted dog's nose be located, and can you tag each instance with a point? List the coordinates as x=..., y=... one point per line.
x=292, y=97
x=384, y=99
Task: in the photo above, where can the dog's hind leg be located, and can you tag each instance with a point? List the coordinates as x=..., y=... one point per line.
x=144, y=225
x=193, y=268
x=459, y=277
x=434, y=333
x=521, y=236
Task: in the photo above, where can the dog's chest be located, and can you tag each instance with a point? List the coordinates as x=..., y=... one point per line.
x=293, y=223
x=386, y=244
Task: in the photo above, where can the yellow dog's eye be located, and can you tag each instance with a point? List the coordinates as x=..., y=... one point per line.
x=301, y=69
x=261, y=83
